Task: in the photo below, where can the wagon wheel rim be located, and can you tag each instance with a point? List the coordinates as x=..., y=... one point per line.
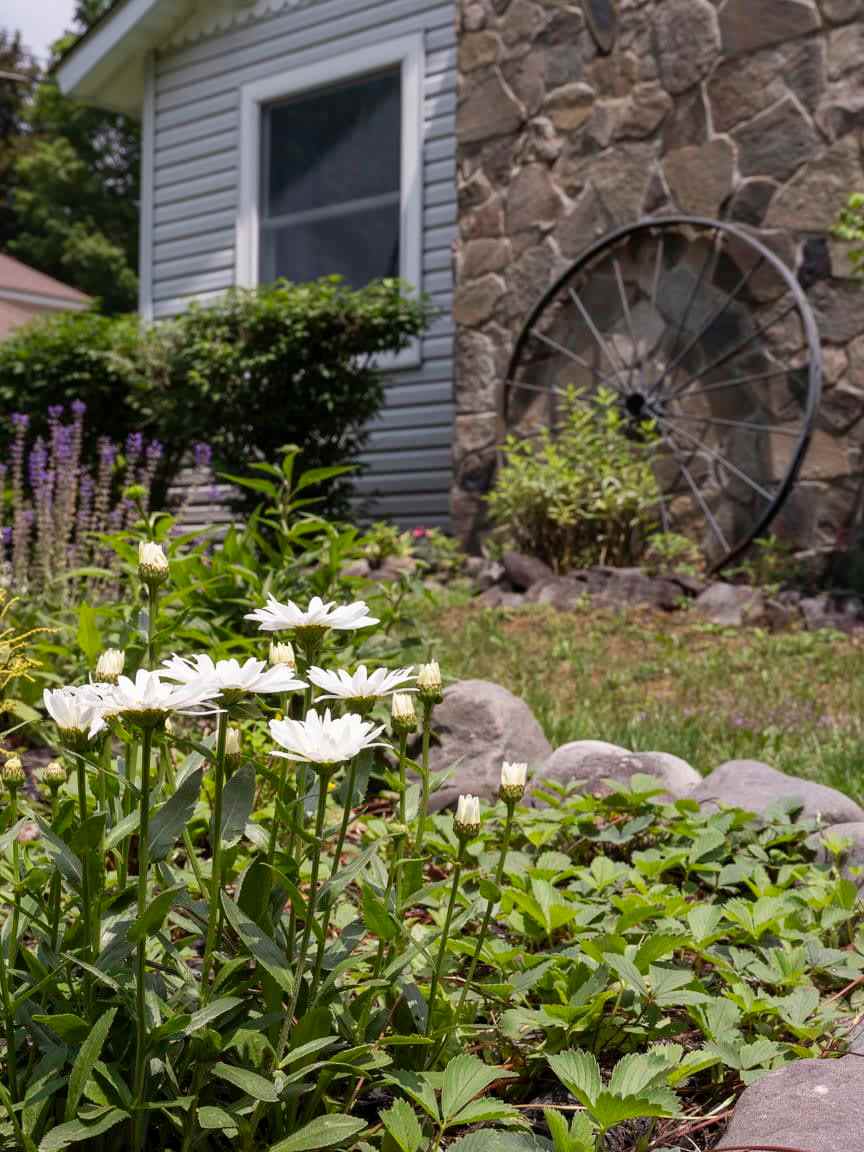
x=729, y=440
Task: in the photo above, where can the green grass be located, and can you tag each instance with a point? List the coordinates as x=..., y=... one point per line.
x=670, y=683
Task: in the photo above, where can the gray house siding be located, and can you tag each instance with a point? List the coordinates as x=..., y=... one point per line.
x=196, y=193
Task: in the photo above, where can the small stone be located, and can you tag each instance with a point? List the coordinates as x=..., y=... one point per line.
x=474, y=190
x=845, y=52
x=751, y=200
x=485, y=221
x=614, y=75
x=570, y=106
x=356, y=569
x=524, y=20
x=629, y=586
x=491, y=572
x=476, y=383
x=481, y=256
x=700, y=179
x=687, y=42
x=687, y=124
x=565, y=593
x=812, y=199
x=644, y=112
x=477, y=49
x=755, y=787
x=524, y=571
x=393, y=568
x=526, y=79
x=841, y=11
x=619, y=177
x=817, y=1105
x=533, y=201
x=726, y=604
x=476, y=302
x=740, y=89
x=487, y=111
x=776, y=142
x=585, y=223
x=778, y=21
x=473, y=18
x=478, y=726
x=837, y=304
x=541, y=142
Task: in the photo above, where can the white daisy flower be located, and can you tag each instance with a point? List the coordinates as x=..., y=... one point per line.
x=78, y=712
x=109, y=666
x=325, y=740
x=467, y=818
x=231, y=677
x=514, y=778
x=148, y=699
x=152, y=562
x=276, y=617
x=363, y=685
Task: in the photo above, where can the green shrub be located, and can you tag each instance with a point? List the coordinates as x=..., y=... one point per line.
x=292, y=363
x=850, y=226
x=583, y=495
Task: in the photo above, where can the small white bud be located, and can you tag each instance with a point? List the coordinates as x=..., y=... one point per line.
x=152, y=563
x=283, y=654
x=110, y=665
x=429, y=683
x=514, y=777
x=468, y=816
x=404, y=717
x=233, y=747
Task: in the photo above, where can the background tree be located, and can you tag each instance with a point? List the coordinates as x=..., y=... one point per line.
x=76, y=175
x=18, y=74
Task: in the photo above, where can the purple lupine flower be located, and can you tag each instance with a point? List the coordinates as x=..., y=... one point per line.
x=107, y=451
x=6, y=534
x=55, y=411
x=154, y=452
x=20, y=420
x=134, y=444
x=37, y=465
x=78, y=409
x=203, y=455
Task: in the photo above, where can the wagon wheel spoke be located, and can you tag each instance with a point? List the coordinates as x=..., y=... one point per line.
x=592, y=328
x=736, y=381
x=748, y=425
x=711, y=250
x=625, y=305
x=721, y=460
x=700, y=499
x=570, y=354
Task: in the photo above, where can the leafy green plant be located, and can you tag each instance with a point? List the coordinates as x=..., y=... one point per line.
x=585, y=494
x=668, y=554
x=850, y=227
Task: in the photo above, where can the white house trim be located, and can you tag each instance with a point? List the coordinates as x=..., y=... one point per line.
x=148, y=158
x=409, y=53
x=49, y=303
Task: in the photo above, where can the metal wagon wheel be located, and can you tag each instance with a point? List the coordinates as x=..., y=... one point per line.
x=702, y=332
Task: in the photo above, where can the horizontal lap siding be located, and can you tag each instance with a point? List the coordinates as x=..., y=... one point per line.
x=406, y=462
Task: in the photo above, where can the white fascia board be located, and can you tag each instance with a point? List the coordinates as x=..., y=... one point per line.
x=38, y=300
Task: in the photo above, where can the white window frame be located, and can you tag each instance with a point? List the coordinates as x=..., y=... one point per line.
x=409, y=54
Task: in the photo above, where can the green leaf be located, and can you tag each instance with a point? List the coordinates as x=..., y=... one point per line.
x=11, y=834
x=205, y=1016
x=237, y=803
x=262, y=948
x=465, y=1077
x=88, y=1054
x=484, y=1110
x=249, y=1082
x=376, y=917
x=122, y=829
x=500, y=1140
x=74, y=1131
x=323, y=1132
x=401, y=1122
x=64, y=859
x=419, y=1090
x=88, y=639
x=67, y=1026
x=168, y=823
x=154, y=915
x=579, y=1072
x=212, y=1118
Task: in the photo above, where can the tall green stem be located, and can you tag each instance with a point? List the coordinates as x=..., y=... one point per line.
x=9, y=1020
x=424, y=773
x=490, y=904
x=216, y=864
x=141, y=955
x=85, y=876
x=311, y=904
x=337, y=856
x=16, y=872
x=152, y=609
x=451, y=905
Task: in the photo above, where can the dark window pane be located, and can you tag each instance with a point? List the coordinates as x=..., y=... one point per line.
x=361, y=246
x=334, y=144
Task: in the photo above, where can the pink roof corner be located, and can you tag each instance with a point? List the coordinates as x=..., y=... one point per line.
x=20, y=278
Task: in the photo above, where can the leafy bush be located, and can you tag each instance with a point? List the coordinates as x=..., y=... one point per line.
x=585, y=494
x=288, y=364
x=850, y=226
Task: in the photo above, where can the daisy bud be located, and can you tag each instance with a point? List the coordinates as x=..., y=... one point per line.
x=169, y=727
x=467, y=819
x=429, y=683
x=13, y=773
x=233, y=749
x=283, y=654
x=110, y=665
x=404, y=718
x=152, y=563
x=53, y=775
x=513, y=780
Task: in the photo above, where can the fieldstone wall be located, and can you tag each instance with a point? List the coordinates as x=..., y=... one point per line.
x=750, y=110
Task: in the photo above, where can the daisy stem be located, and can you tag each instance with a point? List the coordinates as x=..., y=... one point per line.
x=141, y=954
x=490, y=904
x=324, y=774
x=442, y=948
x=337, y=856
x=424, y=774
x=81, y=774
x=56, y=893
x=152, y=611
x=16, y=873
x=216, y=863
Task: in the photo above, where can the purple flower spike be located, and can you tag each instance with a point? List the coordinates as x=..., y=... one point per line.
x=203, y=455
x=134, y=443
x=154, y=451
x=55, y=411
x=78, y=408
x=20, y=420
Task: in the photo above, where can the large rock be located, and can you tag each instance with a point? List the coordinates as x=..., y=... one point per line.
x=811, y=201
x=628, y=586
x=590, y=762
x=729, y=605
x=776, y=142
x=687, y=42
x=478, y=726
x=488, y=111
x=754, y=786
x=524, y=571
x=811, y=1105
x=744, y=28
x=700, y=178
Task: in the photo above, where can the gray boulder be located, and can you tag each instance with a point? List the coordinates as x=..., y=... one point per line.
x=524, y=571
x=730, y=605
x=592, y=761
x=754, y=786
x=477, y=727
x=853, y=855
x=625, y=586
x=817, y=1105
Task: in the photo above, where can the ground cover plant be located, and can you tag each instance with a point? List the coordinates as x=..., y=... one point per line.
x=232, y=918
x=648, y=680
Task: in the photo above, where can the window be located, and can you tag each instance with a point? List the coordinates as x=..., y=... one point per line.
x=331, y=170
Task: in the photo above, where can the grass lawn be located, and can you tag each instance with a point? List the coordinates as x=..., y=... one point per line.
x=670, y=683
